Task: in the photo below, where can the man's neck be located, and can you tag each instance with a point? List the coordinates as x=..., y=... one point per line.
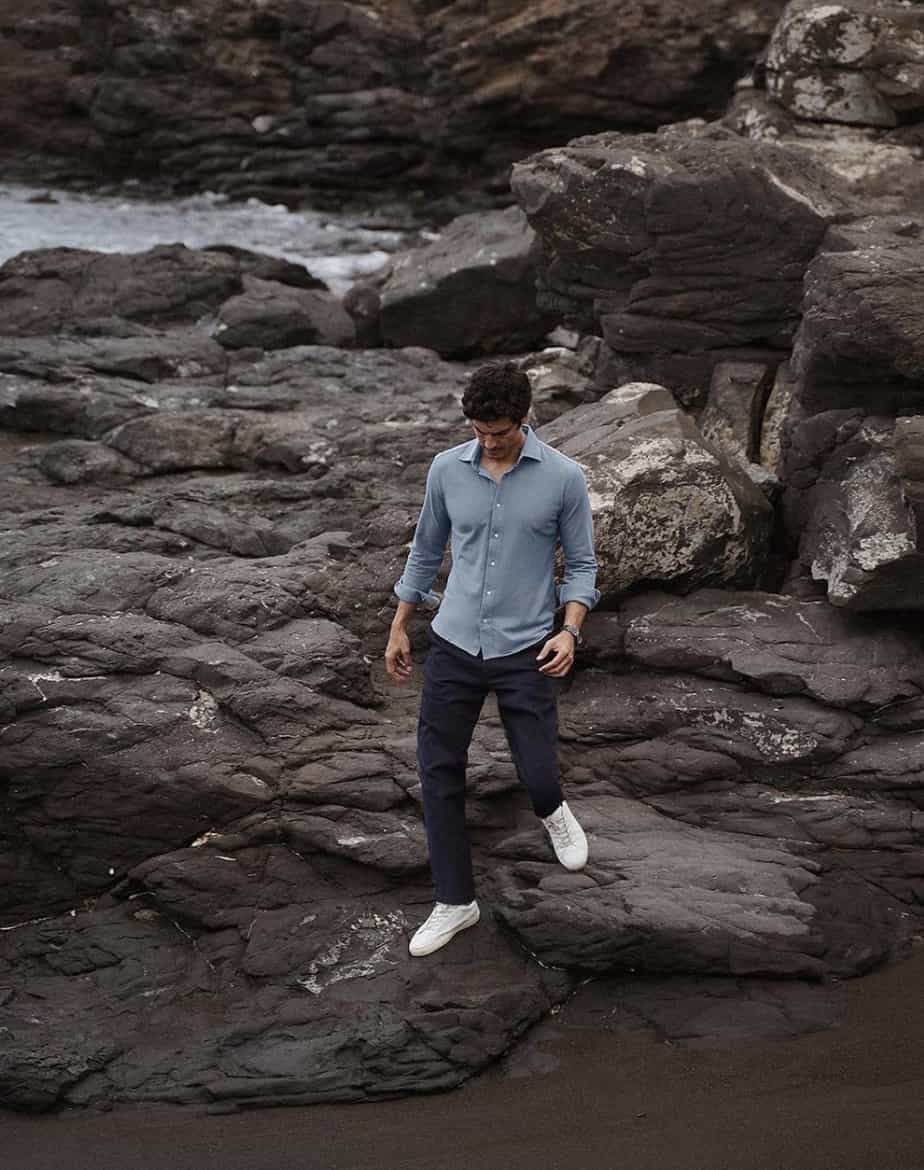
x=508, y=462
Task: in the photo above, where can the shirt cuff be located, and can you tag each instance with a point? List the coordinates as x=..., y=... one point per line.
x=574, y=592
x=416, y=596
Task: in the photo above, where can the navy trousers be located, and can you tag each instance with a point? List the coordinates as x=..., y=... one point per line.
x=455, y=685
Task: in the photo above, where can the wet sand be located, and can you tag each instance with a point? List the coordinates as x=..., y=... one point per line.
x=851, y=1098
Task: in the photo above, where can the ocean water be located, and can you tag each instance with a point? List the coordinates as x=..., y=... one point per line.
x=337, y=250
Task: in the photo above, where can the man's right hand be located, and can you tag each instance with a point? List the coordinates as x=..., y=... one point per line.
x=398, y=655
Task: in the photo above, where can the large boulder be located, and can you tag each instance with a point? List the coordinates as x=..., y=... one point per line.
x=852, y=468
x=270, y=315
x=74, y=290
x=678, y=241
x=861, y=339
x=668, y=506
x=472, y=291
x=857, y=62
x=865, y=516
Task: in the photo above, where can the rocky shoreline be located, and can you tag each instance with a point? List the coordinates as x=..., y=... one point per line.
x=323, y=103
x=211, y=843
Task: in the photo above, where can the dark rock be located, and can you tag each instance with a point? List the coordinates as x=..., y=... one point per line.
x=684, y=240
x=688, y=374
x=270, y=268
x=262, y=981
x=781, y=645
x=864, y=531
x=295, y=102
x=857, y=63
x=149, y=357
x=352, y=778
x=878, y=167
x=562, y=378
x=773, y=421
x=734, y=410
x=851, y=467
x=270, y=315
x=363, y=301
x=320, y=654
x=212, y=847
x=641, y=902
x=661, y=733
x=667, y=506
x=859, y=344
x=80, y=461
x=86, y=407
x=472, y=291
x=169, y=441
x=695, y=1011
x=53, y=290
x=384, y=840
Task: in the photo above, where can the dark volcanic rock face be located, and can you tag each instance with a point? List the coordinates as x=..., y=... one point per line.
x=853, y=433
x=324, y=100
x=291, y=992
x=211, y=839
x=213, y=851
x=684, y=240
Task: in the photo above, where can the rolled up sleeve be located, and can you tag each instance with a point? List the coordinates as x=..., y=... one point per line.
x=428, y=545
x=576, y=532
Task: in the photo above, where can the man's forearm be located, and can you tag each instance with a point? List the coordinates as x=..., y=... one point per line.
x=403, y=614
x=575, y=612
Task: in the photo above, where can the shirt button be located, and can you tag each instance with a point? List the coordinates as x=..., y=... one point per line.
x=495, y=534
x=492, y=562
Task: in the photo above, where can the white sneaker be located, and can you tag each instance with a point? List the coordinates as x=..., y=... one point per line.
x=567, y=836
x=444, y=922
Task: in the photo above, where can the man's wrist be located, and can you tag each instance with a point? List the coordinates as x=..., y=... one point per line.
x=575, y=612
x=402, y=616
x=574, y=631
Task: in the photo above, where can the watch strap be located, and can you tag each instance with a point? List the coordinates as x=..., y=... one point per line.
x=574, y=632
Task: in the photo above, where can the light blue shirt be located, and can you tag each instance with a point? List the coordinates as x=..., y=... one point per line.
x=501, y=595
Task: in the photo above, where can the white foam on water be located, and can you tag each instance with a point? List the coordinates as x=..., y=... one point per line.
x=333, y=248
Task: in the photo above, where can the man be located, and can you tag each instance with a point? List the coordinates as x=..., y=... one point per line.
x=506, y=499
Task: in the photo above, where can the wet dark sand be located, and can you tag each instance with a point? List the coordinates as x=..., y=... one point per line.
x=851, y=1098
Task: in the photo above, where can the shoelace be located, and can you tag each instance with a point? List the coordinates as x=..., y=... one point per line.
x=560, y=830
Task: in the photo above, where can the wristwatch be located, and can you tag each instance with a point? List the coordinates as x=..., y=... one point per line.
x=574, y=632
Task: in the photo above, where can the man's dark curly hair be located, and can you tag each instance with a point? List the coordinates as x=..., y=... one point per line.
x=497, y=390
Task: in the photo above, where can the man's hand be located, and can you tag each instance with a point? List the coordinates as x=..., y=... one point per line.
x=562, y=648
x=398, y=655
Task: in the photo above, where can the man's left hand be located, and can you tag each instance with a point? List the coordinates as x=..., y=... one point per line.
x=561, y=646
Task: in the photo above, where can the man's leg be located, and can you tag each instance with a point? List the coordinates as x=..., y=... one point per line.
x=527, y=701
x=453, y=693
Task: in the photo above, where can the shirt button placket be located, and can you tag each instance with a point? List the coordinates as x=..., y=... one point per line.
x=492, y=545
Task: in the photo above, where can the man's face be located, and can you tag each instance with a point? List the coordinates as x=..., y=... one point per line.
x=500, y=439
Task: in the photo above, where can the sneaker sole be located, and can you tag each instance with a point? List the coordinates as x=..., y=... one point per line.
x=442, y=941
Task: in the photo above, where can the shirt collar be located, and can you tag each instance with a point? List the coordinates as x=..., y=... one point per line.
x=531, y=448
